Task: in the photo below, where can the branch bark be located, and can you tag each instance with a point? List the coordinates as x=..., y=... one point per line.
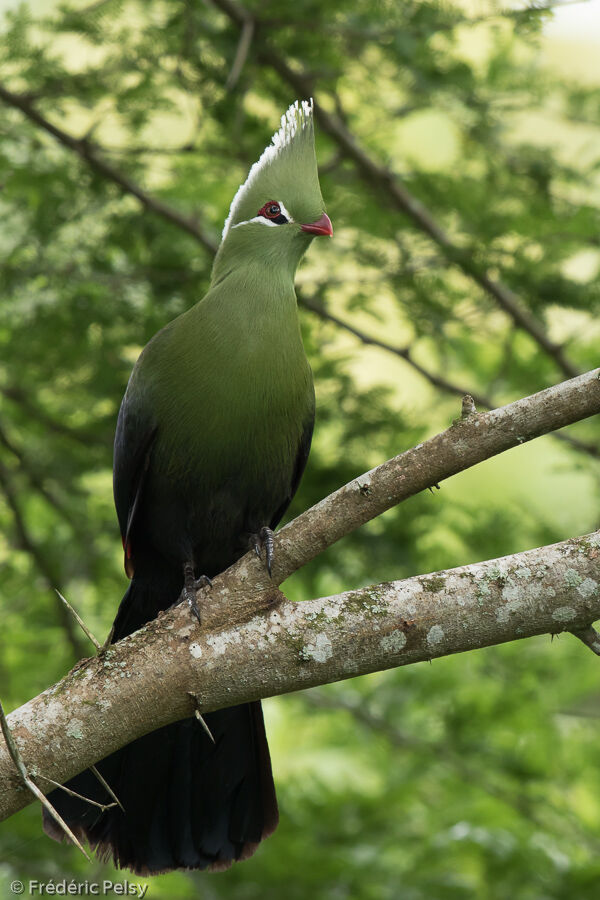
x=255, y=643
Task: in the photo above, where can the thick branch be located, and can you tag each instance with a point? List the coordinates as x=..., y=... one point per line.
x=255, y=643
x=145, y=681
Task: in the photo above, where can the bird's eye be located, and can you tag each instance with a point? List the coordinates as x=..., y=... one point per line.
x=272, y=212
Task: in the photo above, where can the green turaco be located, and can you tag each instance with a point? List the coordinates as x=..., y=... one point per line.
x=212, y=439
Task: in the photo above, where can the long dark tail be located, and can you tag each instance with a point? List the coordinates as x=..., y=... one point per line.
x=188, y=803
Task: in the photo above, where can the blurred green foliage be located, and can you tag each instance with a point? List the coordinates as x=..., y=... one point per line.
x=474, y=777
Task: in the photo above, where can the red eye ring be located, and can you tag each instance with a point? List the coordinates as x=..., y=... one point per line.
x=270, y=210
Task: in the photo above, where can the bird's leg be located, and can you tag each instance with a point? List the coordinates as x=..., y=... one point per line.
x=264, y=538
x=191, y=585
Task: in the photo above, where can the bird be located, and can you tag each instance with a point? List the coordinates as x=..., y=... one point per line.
x=212, y=438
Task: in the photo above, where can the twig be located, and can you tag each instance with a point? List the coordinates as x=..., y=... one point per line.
x=403, y=352
x=241, y=54
x=31, y=785
x=36, y=482
x=590, y=637
x=80, y=622
x=16, y=395
x=467, y=407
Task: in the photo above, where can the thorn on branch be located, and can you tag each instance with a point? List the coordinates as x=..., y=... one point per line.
x=104, y=782
x=62, y=787
x=590, y=637
x=99, y=647
x=200, y=717
x=15, y=755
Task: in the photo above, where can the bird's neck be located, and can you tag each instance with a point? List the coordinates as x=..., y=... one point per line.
x=256, y=257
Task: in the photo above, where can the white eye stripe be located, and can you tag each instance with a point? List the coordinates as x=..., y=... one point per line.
x=263, y=221
x=260, y=219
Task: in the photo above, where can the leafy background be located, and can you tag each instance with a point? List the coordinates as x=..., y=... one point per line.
x=473, y=777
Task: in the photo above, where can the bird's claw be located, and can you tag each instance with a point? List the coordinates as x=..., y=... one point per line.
x=264, y=538
x=191, y=586
x=203, y=581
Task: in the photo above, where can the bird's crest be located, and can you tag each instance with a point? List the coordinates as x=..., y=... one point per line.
x=286, y=171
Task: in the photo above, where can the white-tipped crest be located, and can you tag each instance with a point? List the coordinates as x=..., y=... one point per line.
x=297, y=117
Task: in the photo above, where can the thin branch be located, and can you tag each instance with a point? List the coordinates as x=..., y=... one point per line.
x=34, y=479
x=590, y=638
x=41, y=563
x=181, y=150
x=241, y=54
x=403, y=352
x=17, y=396
x=200, y=717
x=433, y=378
x=62, y=787
x=88, y=152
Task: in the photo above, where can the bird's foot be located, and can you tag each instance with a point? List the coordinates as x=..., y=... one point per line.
x=264, y=538
x=191, y=585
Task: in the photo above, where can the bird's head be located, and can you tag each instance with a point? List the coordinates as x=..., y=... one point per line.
x=279, y=208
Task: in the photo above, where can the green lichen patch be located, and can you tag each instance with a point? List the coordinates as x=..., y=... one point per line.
x=433, y=583
x=573, y=578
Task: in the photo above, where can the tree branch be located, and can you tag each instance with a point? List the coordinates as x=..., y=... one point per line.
x=40, y=561
x=145, y=681
x=88, y=152
x=438, y=381
x=255, y=643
